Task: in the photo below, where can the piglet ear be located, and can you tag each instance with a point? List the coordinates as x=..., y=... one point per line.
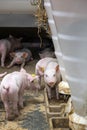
x=57, y=68
x=12, y=54
x=41, y=69
x=25, y=55
x=41, y=55
x=20, y=39
x=23, y=70
x=10, y=36
x=30, y=78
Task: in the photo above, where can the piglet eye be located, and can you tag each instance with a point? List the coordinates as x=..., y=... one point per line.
x=54, y=75
x=46, y=75
x=32, y=81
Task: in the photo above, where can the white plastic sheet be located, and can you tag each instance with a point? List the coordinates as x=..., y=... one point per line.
x=70, y=19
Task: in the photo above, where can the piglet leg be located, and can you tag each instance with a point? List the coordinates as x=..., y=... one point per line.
x=23, y=64
x=57, y=92
x=48, y=91
x=3, y=59
x=6, y=105
x=3, y=74
x=11, y=64
x=40, y=78
x=20, y=102
x=15, y=108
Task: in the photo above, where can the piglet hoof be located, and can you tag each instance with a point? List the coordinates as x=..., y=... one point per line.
x=8, y=67
x=10, y=118
x=16, y=114
x=57, y=98
x=2, y=66
x=20, y=107
x=49, y=97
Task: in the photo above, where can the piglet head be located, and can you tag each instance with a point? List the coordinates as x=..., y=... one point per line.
x=50, y=76
x=34, y=81
x=18, y=57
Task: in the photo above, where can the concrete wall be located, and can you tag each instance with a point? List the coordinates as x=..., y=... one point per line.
x=17, y=20
x=16, y=6
x=17, y=13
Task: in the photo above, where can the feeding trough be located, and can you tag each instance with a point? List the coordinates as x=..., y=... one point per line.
x=59, y=123
x=53, y=107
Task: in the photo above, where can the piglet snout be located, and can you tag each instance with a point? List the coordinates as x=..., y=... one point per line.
x=18, y=61
x=51, y=83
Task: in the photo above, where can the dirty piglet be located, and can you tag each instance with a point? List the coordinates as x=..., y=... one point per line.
x=52, y=77
x=20, y=57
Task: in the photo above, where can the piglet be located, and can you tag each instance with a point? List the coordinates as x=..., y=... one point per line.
x=8, y=45
x=12, y=90
x=52, y=77
x=41, y=65
x=20, y=57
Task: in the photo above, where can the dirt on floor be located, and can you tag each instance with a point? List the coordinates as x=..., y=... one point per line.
x=33, y=115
